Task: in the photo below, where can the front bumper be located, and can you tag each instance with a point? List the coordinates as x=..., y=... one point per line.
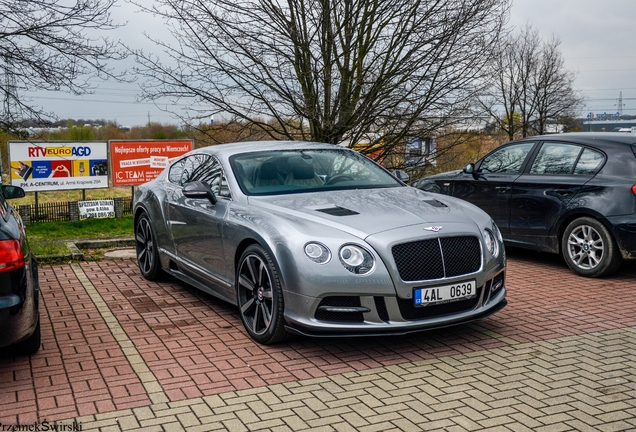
x=385, y=315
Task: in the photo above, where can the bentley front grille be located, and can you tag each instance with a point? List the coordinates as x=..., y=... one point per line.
x=437, y=258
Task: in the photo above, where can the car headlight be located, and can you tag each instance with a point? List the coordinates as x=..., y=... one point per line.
x=491, y=242
x=495, y=229
x=356, y=259
x=317, y=252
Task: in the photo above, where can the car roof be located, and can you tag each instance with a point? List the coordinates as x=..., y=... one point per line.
x=227, y=150
x=590, y=138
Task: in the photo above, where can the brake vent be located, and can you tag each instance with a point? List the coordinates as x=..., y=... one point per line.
x=338, y=211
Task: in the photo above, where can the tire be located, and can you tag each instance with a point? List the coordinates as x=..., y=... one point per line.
x=589, y=249
x=30, y=345
x=260, y=297
x=147, y=251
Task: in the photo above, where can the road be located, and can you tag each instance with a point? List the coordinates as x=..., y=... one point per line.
x=122, y=353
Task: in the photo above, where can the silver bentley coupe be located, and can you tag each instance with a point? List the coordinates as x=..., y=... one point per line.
x=318, y=240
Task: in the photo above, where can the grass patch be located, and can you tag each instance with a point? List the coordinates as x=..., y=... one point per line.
x=86, y=229
x=48, y=247
x=49, y=238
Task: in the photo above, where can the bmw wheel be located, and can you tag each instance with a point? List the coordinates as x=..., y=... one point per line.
x=260, y=296
x=147, y=253
x=589, y=249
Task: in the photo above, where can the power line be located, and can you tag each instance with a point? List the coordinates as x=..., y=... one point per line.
x=612, y=89
x=607, y=70
x=106, y=101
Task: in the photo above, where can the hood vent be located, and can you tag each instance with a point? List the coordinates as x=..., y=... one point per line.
x=435, y=203
x=338, y=211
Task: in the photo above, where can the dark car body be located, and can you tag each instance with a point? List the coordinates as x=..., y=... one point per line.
x=535, y=188
x=19, y=287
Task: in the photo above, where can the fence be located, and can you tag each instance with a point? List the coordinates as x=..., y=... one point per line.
x=64, y=211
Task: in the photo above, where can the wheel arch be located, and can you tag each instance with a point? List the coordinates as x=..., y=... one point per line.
x=568, y=218
x=240, y=248
x=262, y=242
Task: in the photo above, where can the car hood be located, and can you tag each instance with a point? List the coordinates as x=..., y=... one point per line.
x=445, y=175
x=366, y=212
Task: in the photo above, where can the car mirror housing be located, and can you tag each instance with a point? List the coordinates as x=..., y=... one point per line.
x=469, y=168
x=12, y=192
x=199, y=190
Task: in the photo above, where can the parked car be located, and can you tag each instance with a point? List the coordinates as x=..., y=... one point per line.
x=573, y=194
x=19, y=287
x=315, y=239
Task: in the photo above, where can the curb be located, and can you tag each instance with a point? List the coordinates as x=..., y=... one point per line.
x=75, y=247
x=104, y=243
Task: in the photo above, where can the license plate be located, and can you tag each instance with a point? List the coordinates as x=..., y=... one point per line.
x=445, y=293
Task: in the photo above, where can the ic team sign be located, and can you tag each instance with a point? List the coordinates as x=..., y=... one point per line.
x=45, y=166
x=136, y=162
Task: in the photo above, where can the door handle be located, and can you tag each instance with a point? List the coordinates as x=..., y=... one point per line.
x=563, y=191
x=503, y=188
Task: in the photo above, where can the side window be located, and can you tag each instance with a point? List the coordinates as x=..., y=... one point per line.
x=506, y=160
x=589, y=162
x=194, y=168
x=174, y=175
x=556, y=158
x=209, y=171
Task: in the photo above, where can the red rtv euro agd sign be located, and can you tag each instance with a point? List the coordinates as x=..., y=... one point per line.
x=136, y=162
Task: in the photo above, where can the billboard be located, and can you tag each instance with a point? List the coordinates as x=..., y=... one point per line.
x=38, y=166
x=134, y=162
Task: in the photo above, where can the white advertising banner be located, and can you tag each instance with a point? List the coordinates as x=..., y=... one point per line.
x=49, y=166
x=96, y=209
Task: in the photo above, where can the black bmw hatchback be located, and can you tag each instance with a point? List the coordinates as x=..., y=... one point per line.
x=19, y=287
x=573, y=194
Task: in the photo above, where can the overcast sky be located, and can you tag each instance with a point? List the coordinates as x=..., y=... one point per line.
x=597, y=44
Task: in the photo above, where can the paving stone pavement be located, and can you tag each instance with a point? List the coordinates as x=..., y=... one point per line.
x=122, y=353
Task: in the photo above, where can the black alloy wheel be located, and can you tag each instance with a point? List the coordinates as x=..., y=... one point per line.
x=260, y=297
x=147, y=255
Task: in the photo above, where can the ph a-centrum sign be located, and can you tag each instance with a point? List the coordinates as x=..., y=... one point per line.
x=47, y=166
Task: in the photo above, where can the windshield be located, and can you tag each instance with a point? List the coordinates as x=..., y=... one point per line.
x=283, y=172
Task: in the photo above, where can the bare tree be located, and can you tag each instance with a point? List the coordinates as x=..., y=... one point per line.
x=325, y=70
x=501, y=100
x=529, y=85
x=555, y=96
x=46, y=45
x=527, y=62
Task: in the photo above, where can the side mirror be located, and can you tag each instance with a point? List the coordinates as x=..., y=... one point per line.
x=401, y=175
x=469, y=168
x=11, y=192
x=199, y=190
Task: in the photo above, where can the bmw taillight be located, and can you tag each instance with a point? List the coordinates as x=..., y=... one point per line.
x=11, y=256
x=634, y=189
